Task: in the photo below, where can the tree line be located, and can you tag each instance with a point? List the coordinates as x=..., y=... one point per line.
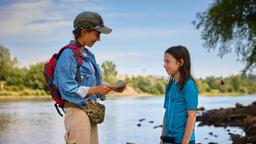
x=30, y=80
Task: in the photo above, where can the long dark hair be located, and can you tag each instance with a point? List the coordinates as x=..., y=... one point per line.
x=181, y=53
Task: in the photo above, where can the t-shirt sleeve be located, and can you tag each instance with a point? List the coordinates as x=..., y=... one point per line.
x=191, y=95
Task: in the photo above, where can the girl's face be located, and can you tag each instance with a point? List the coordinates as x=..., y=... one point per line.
x=91, y=37
x=171, y=65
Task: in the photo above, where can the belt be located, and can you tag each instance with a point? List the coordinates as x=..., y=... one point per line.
x=70, y=104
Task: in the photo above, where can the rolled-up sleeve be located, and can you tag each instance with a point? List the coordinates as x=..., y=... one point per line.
x=65, y=75
x=191, y=95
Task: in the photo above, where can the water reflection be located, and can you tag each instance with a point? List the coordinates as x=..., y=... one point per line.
x=29, y=122
x=38, y=122
x=5, y=121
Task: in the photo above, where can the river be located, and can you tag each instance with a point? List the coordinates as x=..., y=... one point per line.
x=37, y=122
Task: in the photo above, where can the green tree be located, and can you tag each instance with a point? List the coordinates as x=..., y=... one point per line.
x=109, y=72
x=204, y=87
x=212, y=82
x=147, y=84
x=144, y=84
x=16, y=77
x=34, y=78
x=230, y=24
x=235, y=82
x=6, y=63
x=160, y=86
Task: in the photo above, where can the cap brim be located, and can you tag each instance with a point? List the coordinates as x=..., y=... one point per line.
x=104, y=30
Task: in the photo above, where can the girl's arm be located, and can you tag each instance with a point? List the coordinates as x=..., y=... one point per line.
x=161, y=142
x=191, y=99
x=189, y=126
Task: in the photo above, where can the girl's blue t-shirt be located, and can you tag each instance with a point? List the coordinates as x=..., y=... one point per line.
x=176, y=111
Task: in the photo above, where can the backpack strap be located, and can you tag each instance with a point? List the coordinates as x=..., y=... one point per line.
x=79, y=60
x=75, y=50
x=77, y=53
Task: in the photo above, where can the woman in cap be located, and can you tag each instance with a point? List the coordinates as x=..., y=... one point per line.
x=79, y=128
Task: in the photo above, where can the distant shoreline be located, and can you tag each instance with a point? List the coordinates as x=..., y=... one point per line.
x=21, y=98
x=111, y=96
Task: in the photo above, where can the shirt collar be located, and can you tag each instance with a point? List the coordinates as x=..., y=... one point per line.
x=88, y=52
x=73, y=42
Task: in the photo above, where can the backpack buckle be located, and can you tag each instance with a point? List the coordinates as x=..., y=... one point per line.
x=57, y=108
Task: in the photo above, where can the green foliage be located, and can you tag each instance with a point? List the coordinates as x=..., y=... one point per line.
x=6, y=63
x=235, y=81
x=4, y=93
x=239, y=84
x=147, y=84
x=212, y=83
x=230, y=24
x=16, y=76
x=35, y=92
x=34, y=77
x=204, y=87
x=109, y=72
x=30, y=81
x=18, y=79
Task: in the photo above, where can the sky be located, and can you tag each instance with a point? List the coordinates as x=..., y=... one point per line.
x=142, y=30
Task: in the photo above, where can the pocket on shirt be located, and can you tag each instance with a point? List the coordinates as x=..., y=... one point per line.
x=85, y=69
x=85, y=77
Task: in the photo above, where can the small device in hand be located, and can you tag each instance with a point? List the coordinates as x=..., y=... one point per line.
x=167, y=139
x=119, y=84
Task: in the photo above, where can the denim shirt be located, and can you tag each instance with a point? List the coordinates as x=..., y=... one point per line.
x=177, y=103
x=65, y=74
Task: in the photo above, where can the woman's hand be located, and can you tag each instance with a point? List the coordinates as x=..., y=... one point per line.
x=101, y=89
x=121, y=89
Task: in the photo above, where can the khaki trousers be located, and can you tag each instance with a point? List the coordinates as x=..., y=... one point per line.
x=79, y=129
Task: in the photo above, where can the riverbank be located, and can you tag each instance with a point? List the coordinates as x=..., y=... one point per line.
x=111, y=96
x=23, y=98
x=223, y=94
x=30, y=94
x=239, y=116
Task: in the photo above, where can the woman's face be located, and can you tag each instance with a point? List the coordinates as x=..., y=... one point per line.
x=91, y=37
x=171, y=65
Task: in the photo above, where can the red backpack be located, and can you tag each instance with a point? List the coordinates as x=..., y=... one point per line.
x=49, y=69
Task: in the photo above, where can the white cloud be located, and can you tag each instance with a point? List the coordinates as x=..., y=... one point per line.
x=148, y=32
x=33, y=30
x=40, y=17
x=118, y=57
x=18, y=16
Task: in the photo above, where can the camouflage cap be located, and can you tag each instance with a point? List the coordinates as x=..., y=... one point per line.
x=90, y=20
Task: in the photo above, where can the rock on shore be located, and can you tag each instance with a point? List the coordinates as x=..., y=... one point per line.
x=239, y=116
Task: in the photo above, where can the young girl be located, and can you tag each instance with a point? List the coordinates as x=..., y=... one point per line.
x=181, y=98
